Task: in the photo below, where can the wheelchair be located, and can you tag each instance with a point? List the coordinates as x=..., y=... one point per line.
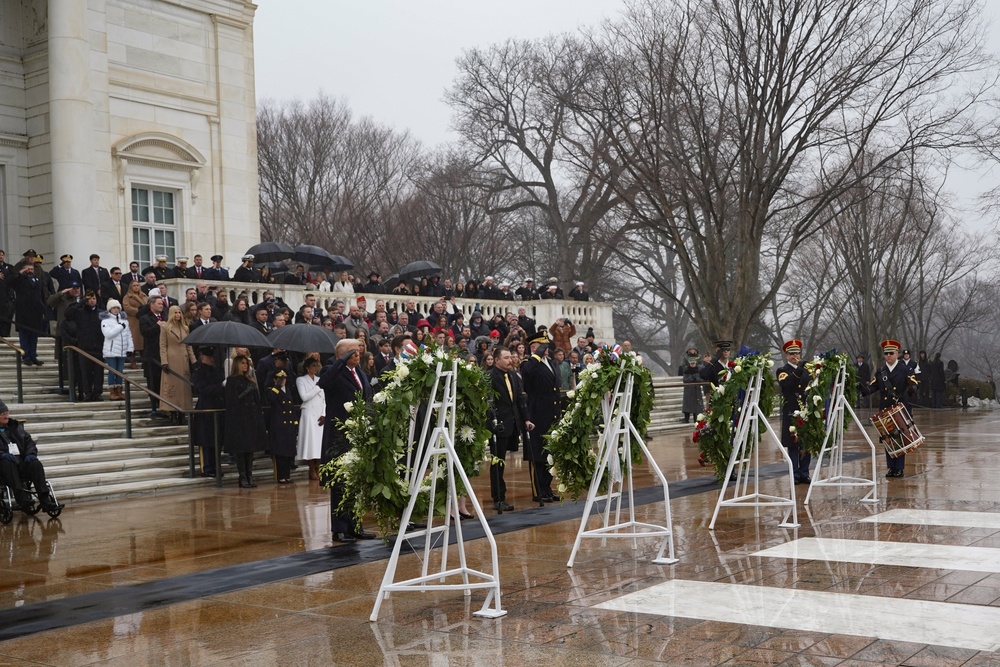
x=8, y=503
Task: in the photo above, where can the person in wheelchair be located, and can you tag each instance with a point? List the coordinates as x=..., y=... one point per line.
x=19, y=461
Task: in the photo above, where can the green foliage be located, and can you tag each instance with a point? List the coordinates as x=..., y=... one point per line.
x=809, y=421
x=713, y=431
x=373, y=468
x=569, y=442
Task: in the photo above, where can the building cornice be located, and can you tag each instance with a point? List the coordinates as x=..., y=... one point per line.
x=13, y=140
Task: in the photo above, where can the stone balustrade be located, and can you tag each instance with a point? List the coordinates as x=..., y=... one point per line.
x=583, y=314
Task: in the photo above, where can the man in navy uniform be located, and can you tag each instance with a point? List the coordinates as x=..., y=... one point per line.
x=793, y=380
x=541, y=384
x=892, y=380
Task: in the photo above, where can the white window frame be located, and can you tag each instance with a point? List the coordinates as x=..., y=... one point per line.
x=152, y=227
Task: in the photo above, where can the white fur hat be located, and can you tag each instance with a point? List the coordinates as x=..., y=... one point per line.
x=113, y=303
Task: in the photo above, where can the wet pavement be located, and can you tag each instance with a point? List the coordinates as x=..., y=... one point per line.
x=249, y=577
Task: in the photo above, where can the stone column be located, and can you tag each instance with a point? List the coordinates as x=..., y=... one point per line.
x=74, y=177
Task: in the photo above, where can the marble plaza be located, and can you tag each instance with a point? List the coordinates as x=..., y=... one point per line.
x=250, y=577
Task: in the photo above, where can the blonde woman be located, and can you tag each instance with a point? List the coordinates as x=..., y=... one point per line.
x=175, y=357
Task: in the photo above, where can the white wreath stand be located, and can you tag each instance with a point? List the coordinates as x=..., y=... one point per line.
x=746, y=459
x=833, y=444
x=435, y=453
x=620, y=432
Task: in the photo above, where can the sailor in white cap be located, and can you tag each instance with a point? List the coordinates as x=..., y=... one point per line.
x=578, y=293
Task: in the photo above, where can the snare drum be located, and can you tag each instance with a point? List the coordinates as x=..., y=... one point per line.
x=896, y=430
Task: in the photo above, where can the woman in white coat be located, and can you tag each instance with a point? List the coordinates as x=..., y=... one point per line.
x=310, y=445
x=117, y=346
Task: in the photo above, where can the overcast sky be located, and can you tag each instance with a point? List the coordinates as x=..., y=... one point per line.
x=393, y=59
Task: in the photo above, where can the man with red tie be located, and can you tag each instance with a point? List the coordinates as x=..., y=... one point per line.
x=341, y=381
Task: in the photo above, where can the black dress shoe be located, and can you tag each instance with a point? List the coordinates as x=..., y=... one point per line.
x=343, y=537
x=551, y=498
x=465, y=515
x=503, y=506
x=416, y=525
x=363, y=535
x=49, y=505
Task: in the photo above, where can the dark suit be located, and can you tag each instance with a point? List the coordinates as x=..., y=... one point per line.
x=339, y=387
x=196, y=272
x=207, y=381
x=128, y=278
x=541, y=384
x=149, y=325
x=510, y=412
x=94, y=279
x=793, y=382
x=111, y=291
x=892, y=386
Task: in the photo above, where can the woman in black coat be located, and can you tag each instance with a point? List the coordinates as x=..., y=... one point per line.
x=244, y=419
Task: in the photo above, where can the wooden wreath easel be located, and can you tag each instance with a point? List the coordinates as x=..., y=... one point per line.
x=833, y=446
x=745, y=460
x=435, y=453
x=620, y=433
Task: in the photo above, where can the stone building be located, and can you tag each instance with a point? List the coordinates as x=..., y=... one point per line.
x=127, y=128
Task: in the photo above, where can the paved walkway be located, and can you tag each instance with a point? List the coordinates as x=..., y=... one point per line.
x=250, y=578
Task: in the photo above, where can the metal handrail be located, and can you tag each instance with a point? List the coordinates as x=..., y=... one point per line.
x=20, y=367
x=129, y=382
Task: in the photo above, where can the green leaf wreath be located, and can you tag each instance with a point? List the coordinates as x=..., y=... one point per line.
x=810, y=419
x=714, y=428
x=372, y=470
x=571, y=454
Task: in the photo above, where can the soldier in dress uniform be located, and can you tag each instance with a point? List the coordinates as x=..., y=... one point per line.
x=64, y=273
x=711, y=371
x=282, y=426
x=216, y=271
x=246, y=273
x=159, y=268
x=793, y=380
x=892, y=380
x=541, y=384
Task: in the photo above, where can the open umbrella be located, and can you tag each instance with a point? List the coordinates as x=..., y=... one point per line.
x=232, y=334
x=274, y=267
x=270, y=251
x=341, y=263
x=302, y=338
x=313, y=255
x=419, y=268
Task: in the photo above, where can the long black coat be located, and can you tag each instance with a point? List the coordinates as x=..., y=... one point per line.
x=207, y=381
x=244, y=417
x=541, y=385
x=282, y=422
x=510, y=414
x=29, y=307
x=892, y=385
x=339, y=388
x=793, y=383
x=15, y=433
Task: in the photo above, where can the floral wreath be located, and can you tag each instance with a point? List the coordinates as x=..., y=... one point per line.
x=713, y=431
x=373, y=470
x=571, y=455
x=809, y=428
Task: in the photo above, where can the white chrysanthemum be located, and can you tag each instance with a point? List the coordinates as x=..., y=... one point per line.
x=348, y=458
x=738, y=369
x=402, y=372
x=466, y=433
x=570, y=394
x=551, y=460
x=349, y=406
x=561, y=488
x=379, y=397
x=701, y=417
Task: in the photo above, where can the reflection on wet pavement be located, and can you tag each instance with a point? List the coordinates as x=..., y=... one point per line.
x=553, y=613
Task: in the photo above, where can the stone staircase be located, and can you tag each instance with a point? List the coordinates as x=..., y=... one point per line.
x=88, y=456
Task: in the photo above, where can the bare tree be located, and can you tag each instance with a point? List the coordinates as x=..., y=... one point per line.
x=730, y=119
x=514, y=107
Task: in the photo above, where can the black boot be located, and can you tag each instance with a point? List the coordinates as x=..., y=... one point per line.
x=244, y=484
x=252, y=484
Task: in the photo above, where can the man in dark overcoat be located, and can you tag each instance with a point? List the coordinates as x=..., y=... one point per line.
x=541, y=384
x=510, y=408
x=29, y=309
x=793, y=379
x=19, y=462
x=207, y=379
x=341, y=381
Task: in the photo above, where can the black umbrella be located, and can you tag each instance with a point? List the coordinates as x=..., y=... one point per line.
x=419, y=268
x=270, y=251
x=233, y=334
x=313, y=255
x=341, y=263
x=392, y=282
x=273, y=267
x=303, y=338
